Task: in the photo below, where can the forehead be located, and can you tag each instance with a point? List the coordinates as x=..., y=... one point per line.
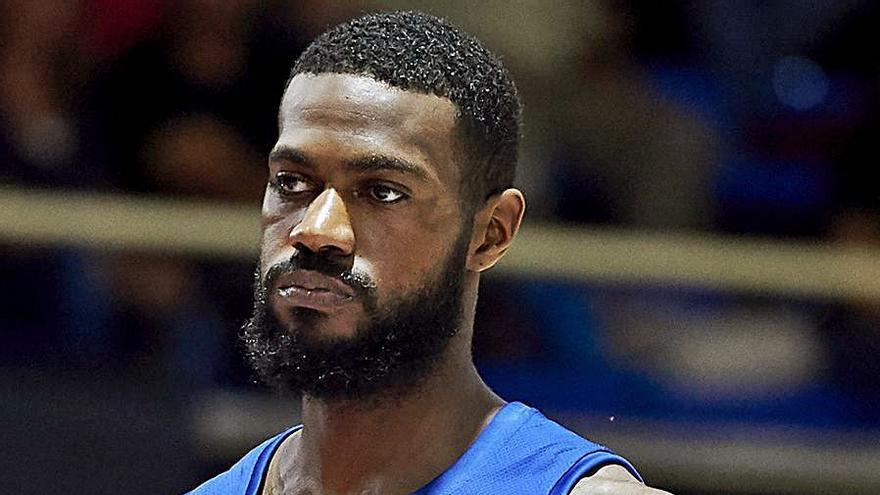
x=362, y=115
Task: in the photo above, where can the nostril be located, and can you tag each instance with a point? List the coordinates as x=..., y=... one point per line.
x=331, y=250
x=327, y=250
x=304, y=249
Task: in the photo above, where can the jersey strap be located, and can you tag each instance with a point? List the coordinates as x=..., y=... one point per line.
x=246, y=476
x=523, y=452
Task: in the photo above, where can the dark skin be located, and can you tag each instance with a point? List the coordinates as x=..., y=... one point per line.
x=370, y=175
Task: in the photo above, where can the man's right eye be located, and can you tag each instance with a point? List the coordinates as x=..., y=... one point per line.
x=292, y=183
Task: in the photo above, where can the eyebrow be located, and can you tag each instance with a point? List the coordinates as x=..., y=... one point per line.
x=288, y=154
x=380, y=163
x=367, y=163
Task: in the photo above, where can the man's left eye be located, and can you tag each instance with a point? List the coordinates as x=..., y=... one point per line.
x=385, y=194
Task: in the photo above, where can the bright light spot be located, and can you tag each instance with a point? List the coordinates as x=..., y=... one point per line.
x=799, y=83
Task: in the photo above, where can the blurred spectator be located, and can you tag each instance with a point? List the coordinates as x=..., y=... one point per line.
x=111, y=27
x=631, y=155
x=39, y=94
x=802, y=84
x=850, y=52
x=40, y=144
x=192, y=109
x=189, y=111
x=852, y=330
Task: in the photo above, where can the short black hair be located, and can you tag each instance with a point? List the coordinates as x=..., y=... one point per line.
x=415, y=51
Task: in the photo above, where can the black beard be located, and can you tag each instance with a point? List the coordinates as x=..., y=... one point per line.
x=388, y=356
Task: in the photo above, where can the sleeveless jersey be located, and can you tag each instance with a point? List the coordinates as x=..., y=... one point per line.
x=518, y=452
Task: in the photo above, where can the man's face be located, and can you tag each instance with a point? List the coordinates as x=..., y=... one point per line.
x=363, y=252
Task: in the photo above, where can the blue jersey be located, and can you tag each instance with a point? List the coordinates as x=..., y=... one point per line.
x=519, y=452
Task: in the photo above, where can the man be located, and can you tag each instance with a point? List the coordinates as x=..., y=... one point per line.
x=389, y=194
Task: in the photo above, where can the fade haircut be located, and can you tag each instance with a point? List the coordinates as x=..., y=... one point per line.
x=418, y=52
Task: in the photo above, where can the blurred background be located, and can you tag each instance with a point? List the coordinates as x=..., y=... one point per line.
x=698, y=285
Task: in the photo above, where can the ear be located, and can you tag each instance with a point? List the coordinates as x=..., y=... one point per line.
x=495, y=226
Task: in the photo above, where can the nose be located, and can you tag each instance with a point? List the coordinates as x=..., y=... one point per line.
x=325, y=227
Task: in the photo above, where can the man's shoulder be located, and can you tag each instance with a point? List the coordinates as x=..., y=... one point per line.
x=613, y=479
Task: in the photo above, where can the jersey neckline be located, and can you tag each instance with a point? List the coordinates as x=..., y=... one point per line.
x=506, y=421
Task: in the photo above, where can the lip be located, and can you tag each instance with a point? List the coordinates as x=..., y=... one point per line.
x=312, y=290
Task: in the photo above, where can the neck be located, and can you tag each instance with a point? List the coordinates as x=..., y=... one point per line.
x=391, y=447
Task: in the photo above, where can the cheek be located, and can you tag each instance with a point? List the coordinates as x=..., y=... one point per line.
x=274, y=246
x=403, y=251
x=402, y=264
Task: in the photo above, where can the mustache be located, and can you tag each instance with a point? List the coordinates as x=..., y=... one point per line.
x=361, y=283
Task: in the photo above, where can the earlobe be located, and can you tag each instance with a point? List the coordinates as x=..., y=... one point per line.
x=496, y=226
